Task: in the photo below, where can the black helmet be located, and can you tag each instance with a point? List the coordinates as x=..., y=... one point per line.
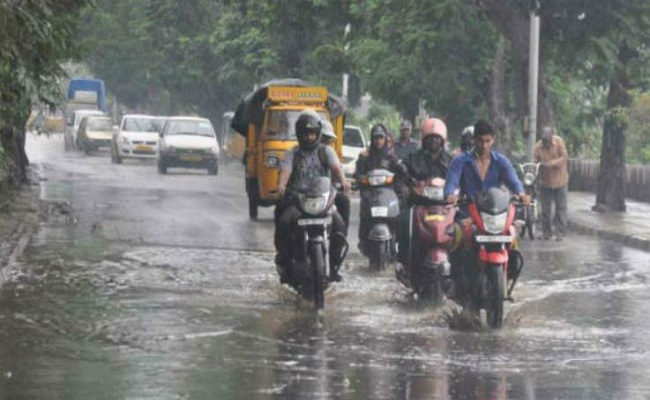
x=378, y=130
x=308, y=121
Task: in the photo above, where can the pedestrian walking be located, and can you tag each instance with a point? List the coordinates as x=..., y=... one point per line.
x=551, y=152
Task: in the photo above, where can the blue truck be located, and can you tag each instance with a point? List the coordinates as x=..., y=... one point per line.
x=85, y=96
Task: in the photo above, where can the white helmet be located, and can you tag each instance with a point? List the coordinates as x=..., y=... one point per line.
x=327, y=131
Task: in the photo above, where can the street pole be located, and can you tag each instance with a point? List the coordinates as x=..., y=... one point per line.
x=346, y=46
x=533, y=73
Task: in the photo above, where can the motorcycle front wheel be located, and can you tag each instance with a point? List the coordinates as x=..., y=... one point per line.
x=495, y=293
x=378, y=255
x=431, y=286
x=317, y=263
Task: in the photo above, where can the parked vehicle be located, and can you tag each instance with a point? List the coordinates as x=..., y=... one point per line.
x=492, y=256
x=94, y=132
x=136, y=137
x=267, y=118
x=188, y=142
x=310, y=265
x=353, y=144
x=433, y=235
x=529, y=214
x=379, y=209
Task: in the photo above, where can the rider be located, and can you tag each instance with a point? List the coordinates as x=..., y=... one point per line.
x=430, y=161
x=308, y=160
x=377, y=156
x=479, y=170
x=466, y=140
x=342, y=200
x=475, y=172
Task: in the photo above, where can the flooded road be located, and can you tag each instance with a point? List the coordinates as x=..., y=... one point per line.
x=141, y=286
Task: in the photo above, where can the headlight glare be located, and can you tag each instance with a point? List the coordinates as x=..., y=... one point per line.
x=494, y=224
x=315, y=205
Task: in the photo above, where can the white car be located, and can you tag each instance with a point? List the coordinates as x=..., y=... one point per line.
x=136, y=137
x=353, y=144
x=73, y=121
x=188, y=142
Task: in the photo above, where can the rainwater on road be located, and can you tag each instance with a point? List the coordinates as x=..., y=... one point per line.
x=144, y=286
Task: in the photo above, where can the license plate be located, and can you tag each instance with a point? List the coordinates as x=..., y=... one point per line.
x=493, y=239
x=190, y=157
x=143, y=148
x=379, y=211
x=315, y=221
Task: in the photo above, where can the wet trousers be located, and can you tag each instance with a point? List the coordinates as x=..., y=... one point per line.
x=554, y=210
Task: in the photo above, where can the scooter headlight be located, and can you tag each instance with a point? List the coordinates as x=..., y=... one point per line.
x=315, y=205
x=433, y=193
x=377, y=180
x=494, y=224
x=529, y=178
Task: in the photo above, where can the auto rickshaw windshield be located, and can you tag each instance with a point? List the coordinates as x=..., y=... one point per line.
x=281, y=124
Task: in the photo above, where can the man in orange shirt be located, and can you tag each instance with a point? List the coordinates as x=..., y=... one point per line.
x=554, y=179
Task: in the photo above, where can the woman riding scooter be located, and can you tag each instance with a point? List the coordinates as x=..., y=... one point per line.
x=377, y=156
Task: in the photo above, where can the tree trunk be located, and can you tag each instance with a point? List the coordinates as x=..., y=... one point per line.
x=515, y=26
x=610, y=194
x=501, y=119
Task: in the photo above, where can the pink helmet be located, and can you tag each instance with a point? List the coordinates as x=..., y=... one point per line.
x=434, y=126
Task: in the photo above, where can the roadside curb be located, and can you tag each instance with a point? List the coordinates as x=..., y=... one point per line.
x=586, y=228
x=18, y=222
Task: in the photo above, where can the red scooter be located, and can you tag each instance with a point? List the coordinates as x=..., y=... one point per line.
x=432, y=236
x=491, y=258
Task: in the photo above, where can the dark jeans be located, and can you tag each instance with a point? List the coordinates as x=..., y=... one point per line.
x=342, y=203
x=554, y=198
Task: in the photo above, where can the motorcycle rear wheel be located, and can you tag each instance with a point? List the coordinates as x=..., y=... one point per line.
x=495, y=293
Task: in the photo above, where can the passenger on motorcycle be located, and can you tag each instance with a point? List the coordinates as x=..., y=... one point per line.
x=342, y=200
x=377, y=156
x=430, y=161
x=308, y=160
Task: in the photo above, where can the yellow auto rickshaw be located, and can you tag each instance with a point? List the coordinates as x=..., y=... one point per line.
x=267, y=119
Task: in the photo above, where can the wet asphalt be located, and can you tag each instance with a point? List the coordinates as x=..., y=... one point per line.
x=142, y=286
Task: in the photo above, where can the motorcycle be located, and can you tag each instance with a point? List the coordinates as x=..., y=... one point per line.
x=433, y=235
x=491, y=259
x=311, y=240
x=379, y=209
x=529, y=214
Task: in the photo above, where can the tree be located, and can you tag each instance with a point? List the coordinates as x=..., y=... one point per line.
x=35, y=36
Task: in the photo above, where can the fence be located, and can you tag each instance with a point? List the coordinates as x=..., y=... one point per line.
x=583, y=176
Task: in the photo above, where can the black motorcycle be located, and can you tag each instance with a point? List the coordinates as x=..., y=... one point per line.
x=380, y=209
x=529, y=215
x=311, y=241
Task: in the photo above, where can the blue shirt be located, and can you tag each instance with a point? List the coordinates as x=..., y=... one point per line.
x=463, y=174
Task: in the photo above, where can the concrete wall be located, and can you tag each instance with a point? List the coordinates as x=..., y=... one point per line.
x=583, y=176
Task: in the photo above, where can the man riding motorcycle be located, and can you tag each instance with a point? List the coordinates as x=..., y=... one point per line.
x=430, y=161
x=308, y=160
x=377, y=156
x=476, y=171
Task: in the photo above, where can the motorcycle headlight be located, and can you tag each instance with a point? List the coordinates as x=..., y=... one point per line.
x=529, y=178
x=433, y=193
x=494, y=224
x=315, y=205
